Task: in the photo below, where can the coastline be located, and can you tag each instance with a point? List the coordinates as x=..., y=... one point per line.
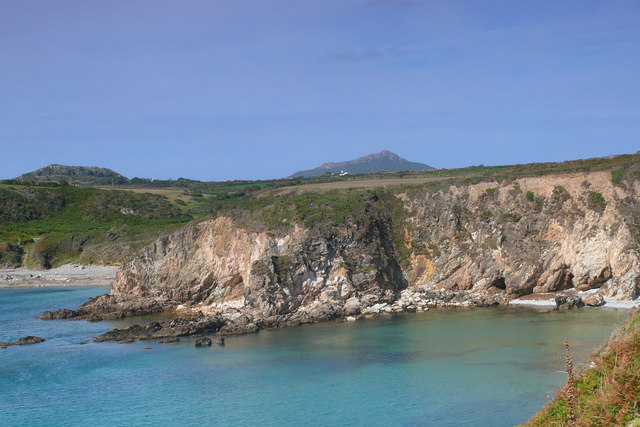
x=547, y=300
x=72, y=275
x=608, y=381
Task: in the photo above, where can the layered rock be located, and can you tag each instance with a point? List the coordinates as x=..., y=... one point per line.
x=255, y=278
x=478, y=244
x=530, y=235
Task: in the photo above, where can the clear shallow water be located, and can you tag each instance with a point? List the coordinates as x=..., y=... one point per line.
x=492, y=366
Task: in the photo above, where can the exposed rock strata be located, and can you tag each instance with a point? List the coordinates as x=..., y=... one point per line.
x=472, y=245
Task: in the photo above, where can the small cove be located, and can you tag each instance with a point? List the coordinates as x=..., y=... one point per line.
x=493, y=366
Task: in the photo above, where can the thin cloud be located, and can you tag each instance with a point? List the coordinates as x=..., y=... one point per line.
x=364, y=54
x=399, y=4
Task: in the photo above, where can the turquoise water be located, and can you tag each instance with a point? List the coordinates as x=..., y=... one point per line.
x=493, y=366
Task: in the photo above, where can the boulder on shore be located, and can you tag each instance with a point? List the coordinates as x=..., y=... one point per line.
x=568, y=302
x=593, y=299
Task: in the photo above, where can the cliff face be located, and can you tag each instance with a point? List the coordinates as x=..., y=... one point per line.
x=467, y=245
x=303, y=276
x=528, y=236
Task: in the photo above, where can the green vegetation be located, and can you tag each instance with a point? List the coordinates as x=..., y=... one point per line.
x=509, y=217
x=24, y=204
x=616, y=177
x=74, y=174
x=608, y=393
x=486, y=214
x=49, y=222
x=596, y=201
x=531, y=196
x=559, y=196
x=333, y=207
x=49, y=225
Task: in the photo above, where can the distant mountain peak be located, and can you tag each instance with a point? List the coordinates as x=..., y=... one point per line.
x=384, y=161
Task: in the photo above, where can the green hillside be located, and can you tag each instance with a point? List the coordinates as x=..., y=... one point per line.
x=82, y=175
x=47, y=223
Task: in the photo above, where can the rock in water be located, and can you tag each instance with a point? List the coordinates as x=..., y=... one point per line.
x=30, y=340
x=220, y=341
x=63, y=313
x=203, y=342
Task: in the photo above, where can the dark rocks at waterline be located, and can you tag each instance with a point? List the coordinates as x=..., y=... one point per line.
x=237, y=322
x=197, y=324
x=109, y=307
x=170, y=340
x=30, y=339
x=569, y=302
x=203, y=342
x=63, y=313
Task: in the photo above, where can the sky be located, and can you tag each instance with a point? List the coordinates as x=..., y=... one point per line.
x=240, y=89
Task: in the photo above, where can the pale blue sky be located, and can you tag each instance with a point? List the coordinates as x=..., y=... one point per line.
x=219, y=90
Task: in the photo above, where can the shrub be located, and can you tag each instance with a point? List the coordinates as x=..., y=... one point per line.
x=560, y=195
x=596, y=201
x=108, y=205
x=616, y=177
x=531, y=196
x=10, y=255
x=486, y=214
x=25, y=204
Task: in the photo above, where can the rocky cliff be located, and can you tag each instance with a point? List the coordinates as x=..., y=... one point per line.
x=475, y=244
x=531, y=235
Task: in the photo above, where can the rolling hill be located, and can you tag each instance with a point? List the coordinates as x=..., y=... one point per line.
x=384, y=161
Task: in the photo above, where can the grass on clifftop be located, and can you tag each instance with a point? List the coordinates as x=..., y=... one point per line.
x=48, y=223
x=607, y=394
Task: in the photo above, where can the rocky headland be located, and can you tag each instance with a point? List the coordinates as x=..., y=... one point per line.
x=399, y=250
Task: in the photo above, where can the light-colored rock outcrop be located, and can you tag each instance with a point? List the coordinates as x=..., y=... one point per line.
x=477, y=244
x=529, y=235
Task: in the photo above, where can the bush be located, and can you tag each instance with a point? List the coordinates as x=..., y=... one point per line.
x=25, y=204
x=54, y=248
x=10, y=255
x=616, y=177
x=486, y=214
x=107, y=205
x=596, y=201
x=531, y=196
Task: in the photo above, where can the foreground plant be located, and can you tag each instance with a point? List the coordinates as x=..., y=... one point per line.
x=607, y=393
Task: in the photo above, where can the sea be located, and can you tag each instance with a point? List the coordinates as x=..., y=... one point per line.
x=452, y=367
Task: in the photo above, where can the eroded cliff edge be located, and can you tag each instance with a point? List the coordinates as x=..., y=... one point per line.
x=395, y=250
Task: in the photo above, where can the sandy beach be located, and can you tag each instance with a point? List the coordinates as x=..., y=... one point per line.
x=66, y=275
